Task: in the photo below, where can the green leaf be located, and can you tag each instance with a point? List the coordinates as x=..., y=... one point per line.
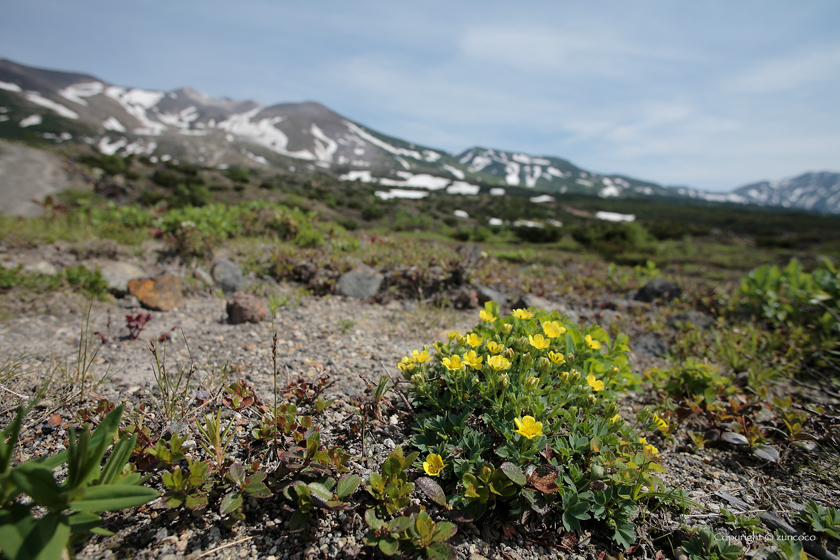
x=25, y=538
x=372, y=520
x=389, y=545
x=83, y=521
x=10, y=434
x=37, y=481
x=117, y=460
x=113, y=497
x=514, y=473
x=196, y=501
x=230, y=503
x=347, y=485
x=236, y=473
x=376, y=481
x=625, y=535
x=445, y=531
x=320, y=490
x=441, y=551
x=400, y=524
x=298, y=521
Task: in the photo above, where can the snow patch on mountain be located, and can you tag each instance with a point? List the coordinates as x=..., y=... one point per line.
x=31, y=120
x=401, y=193
x=76, y=92
x=381, y=144
x=111, y=123
x=10, y=87
x=38, y=99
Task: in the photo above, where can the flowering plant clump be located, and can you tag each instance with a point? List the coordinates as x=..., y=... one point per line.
x=519, y=415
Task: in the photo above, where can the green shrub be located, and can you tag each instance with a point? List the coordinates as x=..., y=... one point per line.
x=520, y=415
x=548, y=234
x=189, y=195
x=68, y=510
x=372, y=212
x=165, y=179
x=238, y=175
x=89, y=281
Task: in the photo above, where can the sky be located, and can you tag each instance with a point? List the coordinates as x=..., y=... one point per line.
x=712, y=94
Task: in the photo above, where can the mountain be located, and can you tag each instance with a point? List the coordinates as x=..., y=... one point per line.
x=818, y=192
x=187, y=125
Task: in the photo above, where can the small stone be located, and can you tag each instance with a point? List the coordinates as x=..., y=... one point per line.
x=486, y=294
x=227, y=275
x=128, y=302
x=649, y=344
x=245, y=308
x=699, y=320
x=161, y=534
x=202, y=276
x=162, y=293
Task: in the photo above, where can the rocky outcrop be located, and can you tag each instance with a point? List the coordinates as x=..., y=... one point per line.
x=161, y=293
x=362, y=282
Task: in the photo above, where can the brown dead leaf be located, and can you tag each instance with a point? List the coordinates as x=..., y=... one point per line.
x=55, y=419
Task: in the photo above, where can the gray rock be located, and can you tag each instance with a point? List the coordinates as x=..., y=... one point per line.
x=699, y=320
x=128, y=302
x=119, y=274
x=649, y=345
x=471, y=254
x=658, y=289
x=42, y=267
x=227, y=275
x=362, y=282
x=486, y=294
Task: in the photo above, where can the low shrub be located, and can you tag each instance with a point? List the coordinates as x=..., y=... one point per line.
x=519, y=418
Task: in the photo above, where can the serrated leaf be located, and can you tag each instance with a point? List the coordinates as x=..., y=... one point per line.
x=432, y=489
x=514, y=473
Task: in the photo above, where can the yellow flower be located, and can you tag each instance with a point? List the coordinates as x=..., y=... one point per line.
x=495, y=347
x=487, y=317
x=648, y=447
x=539, y=342
x=473, y=360
x=498, y=362
x=557, y=357
x=552, y=329
x=593, y=344
x=660, y=423
x=615, y=419
x=406, y=364
x=474, y=340
x=453, y=334
x=433, y=465
x=522, y=314
x=421, y=357
x=453, y=363
x=528, y=427
x=596, y=384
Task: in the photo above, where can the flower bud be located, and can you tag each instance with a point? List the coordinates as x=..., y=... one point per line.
x=596, y=472
x=532, y=382
x=505, y=380
x=545, y=364
x=509, y=353
x=417, y=378
x=507, y=327
x=570, y=357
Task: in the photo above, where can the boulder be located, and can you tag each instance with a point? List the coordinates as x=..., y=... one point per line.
x=361, y=282
x=119, y=274
x=228, y=276
x=658, y=289
x=486, y=294
x=699, y=320
x=245, y=308
x=161, y=293
x=471, y=254
x=43, y=268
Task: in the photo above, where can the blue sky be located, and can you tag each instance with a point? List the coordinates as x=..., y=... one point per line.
x=711, y=94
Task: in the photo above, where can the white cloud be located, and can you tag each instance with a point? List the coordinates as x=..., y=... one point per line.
x=789, y=72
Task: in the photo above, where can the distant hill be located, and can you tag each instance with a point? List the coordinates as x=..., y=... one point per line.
x=187, y=125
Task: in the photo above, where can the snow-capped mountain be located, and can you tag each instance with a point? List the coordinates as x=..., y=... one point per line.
x=812, y=191
x=190, y=126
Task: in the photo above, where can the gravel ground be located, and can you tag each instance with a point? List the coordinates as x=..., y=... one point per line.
x=347, y=339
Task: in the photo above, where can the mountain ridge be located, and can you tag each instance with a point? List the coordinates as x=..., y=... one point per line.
x=187, y=124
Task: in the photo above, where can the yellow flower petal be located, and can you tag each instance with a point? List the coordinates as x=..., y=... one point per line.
x=557, y=357
x=433, y=465
x=528, y=427
x=552, y=329
x=498, y=362
x=539, y=342
x=522, y=314
x=474, y=340
x=487, y=317
x=596, y=384
x=593, y=344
